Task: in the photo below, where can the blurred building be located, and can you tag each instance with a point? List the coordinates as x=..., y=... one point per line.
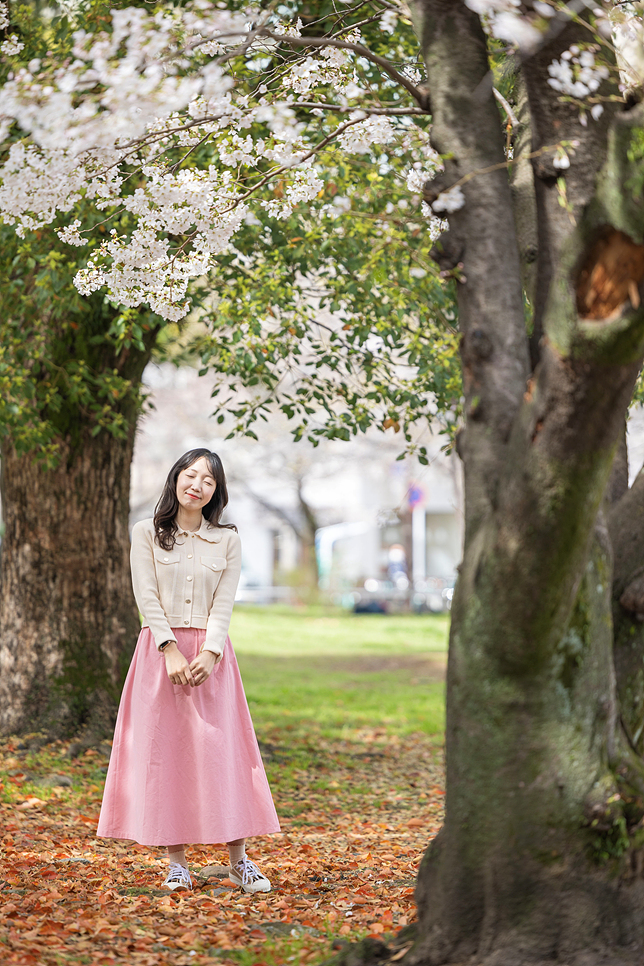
x=342, y=504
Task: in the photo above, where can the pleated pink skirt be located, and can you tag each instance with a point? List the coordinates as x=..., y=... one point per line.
x=185, y=765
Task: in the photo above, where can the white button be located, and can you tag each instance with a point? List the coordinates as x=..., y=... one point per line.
x=188, y=578
x=166, y=558
x=186, y=622
x=189, y=556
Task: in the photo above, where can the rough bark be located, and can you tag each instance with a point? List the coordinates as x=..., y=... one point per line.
x=68, y=620
x=467, y=129
x=534, y=863
x=524, y=204
x=67, y=614
x=626, y=521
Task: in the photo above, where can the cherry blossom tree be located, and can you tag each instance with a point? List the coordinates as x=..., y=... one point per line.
x=520, y=124
x=281, y=306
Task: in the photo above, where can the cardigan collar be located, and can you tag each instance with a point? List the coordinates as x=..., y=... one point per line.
x=207, y=531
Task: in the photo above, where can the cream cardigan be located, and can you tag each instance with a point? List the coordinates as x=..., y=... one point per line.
x=192, y=585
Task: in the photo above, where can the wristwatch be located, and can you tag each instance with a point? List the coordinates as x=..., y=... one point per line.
x=163, y=646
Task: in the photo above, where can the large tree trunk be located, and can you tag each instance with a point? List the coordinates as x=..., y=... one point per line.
x=544, y=789
x=626, y=522
x=68, y=621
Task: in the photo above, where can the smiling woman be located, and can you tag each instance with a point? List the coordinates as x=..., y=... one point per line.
x=185, y=765
x=195, y=488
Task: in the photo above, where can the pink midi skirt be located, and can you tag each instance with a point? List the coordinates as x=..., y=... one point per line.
x=185, y=765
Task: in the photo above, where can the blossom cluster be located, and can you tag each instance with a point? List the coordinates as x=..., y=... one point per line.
x=12, y=45
x=119, y=81
x=448, y=201
x=360, y=137
x=389, y=21
x=106, y=127
x=504, y=20
x=577, y=73
x=36, y=185
x=145, y=119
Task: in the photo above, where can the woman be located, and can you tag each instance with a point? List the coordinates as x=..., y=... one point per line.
x=185, y=765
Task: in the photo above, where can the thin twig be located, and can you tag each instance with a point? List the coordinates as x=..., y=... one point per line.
x=342, y=109
x=501, y=164
x=188, y=153
x=506, y=107
x=419, y=96
x=314, y=150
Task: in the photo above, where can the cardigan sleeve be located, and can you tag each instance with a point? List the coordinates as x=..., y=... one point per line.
x=144, y=583
x=223, y=599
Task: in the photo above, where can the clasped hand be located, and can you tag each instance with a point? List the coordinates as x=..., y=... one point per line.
x=193, y=673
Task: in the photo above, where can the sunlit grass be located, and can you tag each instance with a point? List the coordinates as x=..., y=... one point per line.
x=307, y=672
x=285, y=631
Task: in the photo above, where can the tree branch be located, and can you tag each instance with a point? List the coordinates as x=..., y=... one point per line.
x=467, y=132
x=341, y=109
x=270, y=507
x=420, y=96
x=569, y=426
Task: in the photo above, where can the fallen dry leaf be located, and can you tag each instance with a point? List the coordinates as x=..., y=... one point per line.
x=356, y=819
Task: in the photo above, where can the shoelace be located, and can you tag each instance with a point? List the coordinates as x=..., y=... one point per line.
x=249, y=871
x=178, y=873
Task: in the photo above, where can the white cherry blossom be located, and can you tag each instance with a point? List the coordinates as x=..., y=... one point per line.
x=448, y=201
x=12, y=45
x=70, y=234
x=389, y=21
x=145, y=118
x=576, y=73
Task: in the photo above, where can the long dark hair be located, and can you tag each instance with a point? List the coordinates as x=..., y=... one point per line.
x=165, y=512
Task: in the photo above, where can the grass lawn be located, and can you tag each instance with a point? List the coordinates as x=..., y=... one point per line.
x=307, y=671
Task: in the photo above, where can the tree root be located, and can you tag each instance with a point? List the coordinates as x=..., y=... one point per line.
x=629, y=768
x=399, y=952
x=374, y=952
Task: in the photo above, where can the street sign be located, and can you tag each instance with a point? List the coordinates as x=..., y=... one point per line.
x=415, y=495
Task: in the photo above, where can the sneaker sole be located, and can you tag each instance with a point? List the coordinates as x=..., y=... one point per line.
x=251, y=890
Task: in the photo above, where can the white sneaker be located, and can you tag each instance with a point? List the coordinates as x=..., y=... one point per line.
x=246, y=874
x=178, y=877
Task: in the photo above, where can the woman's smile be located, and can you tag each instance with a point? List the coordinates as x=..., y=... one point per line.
x=199, y=475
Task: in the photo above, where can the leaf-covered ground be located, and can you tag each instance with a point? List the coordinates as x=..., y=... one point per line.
x=349, y=713
x=356, y=818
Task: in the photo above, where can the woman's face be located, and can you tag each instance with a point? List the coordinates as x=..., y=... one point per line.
x=195, y=485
